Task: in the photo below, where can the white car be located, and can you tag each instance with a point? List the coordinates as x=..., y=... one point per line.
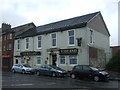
x=23, y=68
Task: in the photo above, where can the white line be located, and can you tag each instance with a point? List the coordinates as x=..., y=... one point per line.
x=21, y=84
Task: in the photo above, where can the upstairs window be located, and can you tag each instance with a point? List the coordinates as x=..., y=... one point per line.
x=39, y=41
x=27, y=43
x=18, y=44
x=4, y=48
x=71, y=37
x=10, y=35
x=5, y=37
x=53, y=39
x=10, y=46
x=91, y=36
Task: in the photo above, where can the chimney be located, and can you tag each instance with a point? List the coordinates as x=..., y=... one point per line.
x=6, y=26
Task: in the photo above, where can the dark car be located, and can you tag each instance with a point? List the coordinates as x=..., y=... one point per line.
x=23, y=68
x=86, y=71
x=51, y=70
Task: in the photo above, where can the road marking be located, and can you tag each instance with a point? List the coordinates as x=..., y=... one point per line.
x=51, y=83
x=21, y=84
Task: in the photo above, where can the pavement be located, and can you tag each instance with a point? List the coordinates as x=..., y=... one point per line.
x=114, y=75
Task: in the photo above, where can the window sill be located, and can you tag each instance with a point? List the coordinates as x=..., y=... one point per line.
x=71, y=45
x=39, y=48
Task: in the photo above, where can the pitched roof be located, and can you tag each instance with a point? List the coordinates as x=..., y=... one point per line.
x=72, y=23
x=76, y=22
x=29, y=32
x=22, y=26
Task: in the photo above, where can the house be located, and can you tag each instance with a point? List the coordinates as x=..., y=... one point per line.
x=8, y=35
x=80, y=40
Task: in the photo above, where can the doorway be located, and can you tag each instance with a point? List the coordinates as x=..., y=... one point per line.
x=54, y=59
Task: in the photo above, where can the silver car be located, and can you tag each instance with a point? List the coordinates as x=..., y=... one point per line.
x=22, y=68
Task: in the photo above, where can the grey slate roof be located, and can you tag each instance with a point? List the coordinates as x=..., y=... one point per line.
x=31, y=32
x=22, y=26
x=72, y=23
x=75, y=22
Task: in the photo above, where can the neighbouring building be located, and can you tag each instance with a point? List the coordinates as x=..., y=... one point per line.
x=81, y=40
x=8, y=35
x=0, y=47
x=115, y=50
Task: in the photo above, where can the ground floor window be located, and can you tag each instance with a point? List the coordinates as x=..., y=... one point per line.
x=38, y=60
x=22, y=61
x=73, y=59
x=62, y=59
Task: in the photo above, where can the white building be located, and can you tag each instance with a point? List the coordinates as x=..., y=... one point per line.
x=81, y=40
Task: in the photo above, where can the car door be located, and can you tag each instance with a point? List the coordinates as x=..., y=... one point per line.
x=87, y=71
x=19, y=68
x=42, y=70
x=77, y=71
x=47, y=70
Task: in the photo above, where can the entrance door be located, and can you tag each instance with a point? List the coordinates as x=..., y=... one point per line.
x=54, y=59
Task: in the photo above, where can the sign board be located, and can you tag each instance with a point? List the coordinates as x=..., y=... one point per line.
x=68, y=51
x=30, y=53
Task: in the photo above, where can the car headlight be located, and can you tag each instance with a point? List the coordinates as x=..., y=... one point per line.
x=103, y=73
x=60, y=71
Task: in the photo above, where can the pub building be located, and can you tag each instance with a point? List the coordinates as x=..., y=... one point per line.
x=82, y=40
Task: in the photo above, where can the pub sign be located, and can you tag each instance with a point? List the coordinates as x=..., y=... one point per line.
x=68, y=51
x=30, y=53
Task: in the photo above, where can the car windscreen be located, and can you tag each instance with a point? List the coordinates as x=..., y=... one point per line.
x=95, y=69
x=26, y=65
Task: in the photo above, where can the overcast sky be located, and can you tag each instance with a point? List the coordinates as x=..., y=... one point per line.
x=40, y=12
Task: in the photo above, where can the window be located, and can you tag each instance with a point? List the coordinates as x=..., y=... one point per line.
x=86, y=68
x=10, y=35
x=71, y=37
x=53, y=39
x=4, y=48
x=73, y=59
x=62, y=59
x=27, y=43
x=5, y=37
x=91, y=36
x=38, y=60
x=10, y=46
x=18, y=46
x=22, y=61
x=39, y=41
x=78, y=67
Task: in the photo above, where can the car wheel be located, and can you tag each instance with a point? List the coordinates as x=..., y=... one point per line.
x=96, y=78
x=23, y=71
x=38, y=73
x=13, y=71
x=53, y=74
x=73, y=76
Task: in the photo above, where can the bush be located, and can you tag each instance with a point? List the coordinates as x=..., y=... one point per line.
x=114, y=63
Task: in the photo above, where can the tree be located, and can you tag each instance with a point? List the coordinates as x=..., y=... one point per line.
x=114, y=63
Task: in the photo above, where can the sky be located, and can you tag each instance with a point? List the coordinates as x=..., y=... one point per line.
x=40, y=12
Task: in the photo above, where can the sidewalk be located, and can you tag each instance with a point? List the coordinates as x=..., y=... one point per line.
x=114, y=75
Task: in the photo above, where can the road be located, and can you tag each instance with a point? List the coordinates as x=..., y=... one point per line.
x=17, y=80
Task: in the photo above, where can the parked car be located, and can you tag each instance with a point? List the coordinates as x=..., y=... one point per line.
x=86, y=71
x=23, y=68
x=51, y=70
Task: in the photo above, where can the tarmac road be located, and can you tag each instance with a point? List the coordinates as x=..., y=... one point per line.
x=17, y=80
